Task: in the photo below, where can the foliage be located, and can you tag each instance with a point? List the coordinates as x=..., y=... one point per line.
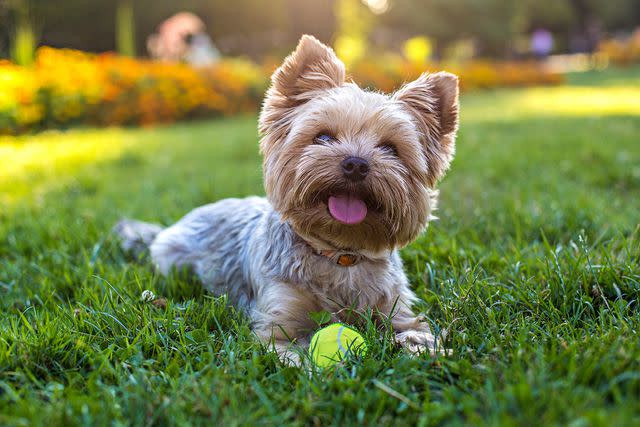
x=388, y=72
x=259, y=28
x=495, y=25
x=621, y=51
x=490, y=22
x=70, y=87
x=532, y=269
x=240, y=27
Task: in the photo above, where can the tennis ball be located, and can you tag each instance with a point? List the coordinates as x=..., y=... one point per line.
x=334, y=343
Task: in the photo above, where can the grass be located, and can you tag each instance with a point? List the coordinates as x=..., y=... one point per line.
x=533, y=268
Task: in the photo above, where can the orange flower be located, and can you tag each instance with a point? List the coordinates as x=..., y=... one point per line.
x=67, y=87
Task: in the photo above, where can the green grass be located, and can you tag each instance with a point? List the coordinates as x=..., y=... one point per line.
x=533, y=268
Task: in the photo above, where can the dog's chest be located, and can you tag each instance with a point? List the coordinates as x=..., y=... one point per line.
x=358, y=287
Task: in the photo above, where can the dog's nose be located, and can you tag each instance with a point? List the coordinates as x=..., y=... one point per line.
x=355, y=168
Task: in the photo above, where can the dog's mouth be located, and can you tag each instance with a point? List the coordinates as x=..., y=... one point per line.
x=347, y=208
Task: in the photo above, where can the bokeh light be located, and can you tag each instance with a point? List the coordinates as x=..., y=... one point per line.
x=377, y=6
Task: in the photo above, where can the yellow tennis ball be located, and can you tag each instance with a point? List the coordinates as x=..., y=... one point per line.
x=334, y=343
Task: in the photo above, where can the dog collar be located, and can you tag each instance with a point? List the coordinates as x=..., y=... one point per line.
x=344, y=259
x=336, y=256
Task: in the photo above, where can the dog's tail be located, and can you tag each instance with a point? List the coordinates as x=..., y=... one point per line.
x=136, y=236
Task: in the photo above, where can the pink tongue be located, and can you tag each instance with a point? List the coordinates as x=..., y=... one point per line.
x=347, y=209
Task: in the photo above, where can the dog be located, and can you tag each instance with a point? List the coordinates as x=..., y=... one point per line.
x=350, y=178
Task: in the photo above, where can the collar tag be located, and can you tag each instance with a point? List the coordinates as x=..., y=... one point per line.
x=342, y=259
x=347, y=260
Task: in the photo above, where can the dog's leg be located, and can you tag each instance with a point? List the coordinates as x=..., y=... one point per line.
x=280, y=317
x=411, y=332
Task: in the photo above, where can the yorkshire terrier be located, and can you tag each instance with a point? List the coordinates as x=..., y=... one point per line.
x=349, y=176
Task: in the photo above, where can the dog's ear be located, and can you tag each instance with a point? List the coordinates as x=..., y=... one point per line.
x=312, y=67
x=432, y=100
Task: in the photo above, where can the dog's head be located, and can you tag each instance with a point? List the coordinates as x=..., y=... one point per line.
x=354, y=168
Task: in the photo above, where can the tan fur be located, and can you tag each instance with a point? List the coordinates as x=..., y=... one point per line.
x=309, y=96
x=267, y=255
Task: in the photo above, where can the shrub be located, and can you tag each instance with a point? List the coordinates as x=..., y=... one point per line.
x=621, y=51
x=68, y=87
x=389, y=73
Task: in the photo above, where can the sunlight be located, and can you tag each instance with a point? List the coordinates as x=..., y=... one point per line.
x=583, y=100
x=377, y=6
x=32, y=164
x=49, y=156
x=550, y=101
x=417, y=50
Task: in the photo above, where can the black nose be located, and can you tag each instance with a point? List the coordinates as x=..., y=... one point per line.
x=355, y=168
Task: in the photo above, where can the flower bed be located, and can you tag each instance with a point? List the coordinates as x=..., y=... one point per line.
x=623, y=51
x=66, y=88
x=387, y=75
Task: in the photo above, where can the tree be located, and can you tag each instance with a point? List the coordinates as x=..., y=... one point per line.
x=125, y=28
x=22, y=38
x=495, y=24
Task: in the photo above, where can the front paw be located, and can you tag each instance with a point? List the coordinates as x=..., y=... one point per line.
x=417, y=342
x=288, y=353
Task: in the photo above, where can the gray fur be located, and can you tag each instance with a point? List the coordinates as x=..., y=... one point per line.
x=278, y=260
x=136, y=236
x=241, y=248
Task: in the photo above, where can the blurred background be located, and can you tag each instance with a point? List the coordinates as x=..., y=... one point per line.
x=130, y=62
x=148, y=108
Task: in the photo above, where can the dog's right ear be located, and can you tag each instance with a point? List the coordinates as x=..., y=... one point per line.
x=312, y=67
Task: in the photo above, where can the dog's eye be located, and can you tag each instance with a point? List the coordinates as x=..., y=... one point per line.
x=389, y=149
x=323, y=138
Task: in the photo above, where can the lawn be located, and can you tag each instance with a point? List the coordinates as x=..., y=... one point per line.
x=532, y=268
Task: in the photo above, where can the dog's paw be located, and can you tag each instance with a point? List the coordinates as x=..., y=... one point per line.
x=288, y=352
x=417, y=342
x=288, y=356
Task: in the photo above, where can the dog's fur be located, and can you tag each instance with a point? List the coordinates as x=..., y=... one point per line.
x=277, y=258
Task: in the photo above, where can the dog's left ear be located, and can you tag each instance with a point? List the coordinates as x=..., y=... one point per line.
x=432, y=100
x=312, y=67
